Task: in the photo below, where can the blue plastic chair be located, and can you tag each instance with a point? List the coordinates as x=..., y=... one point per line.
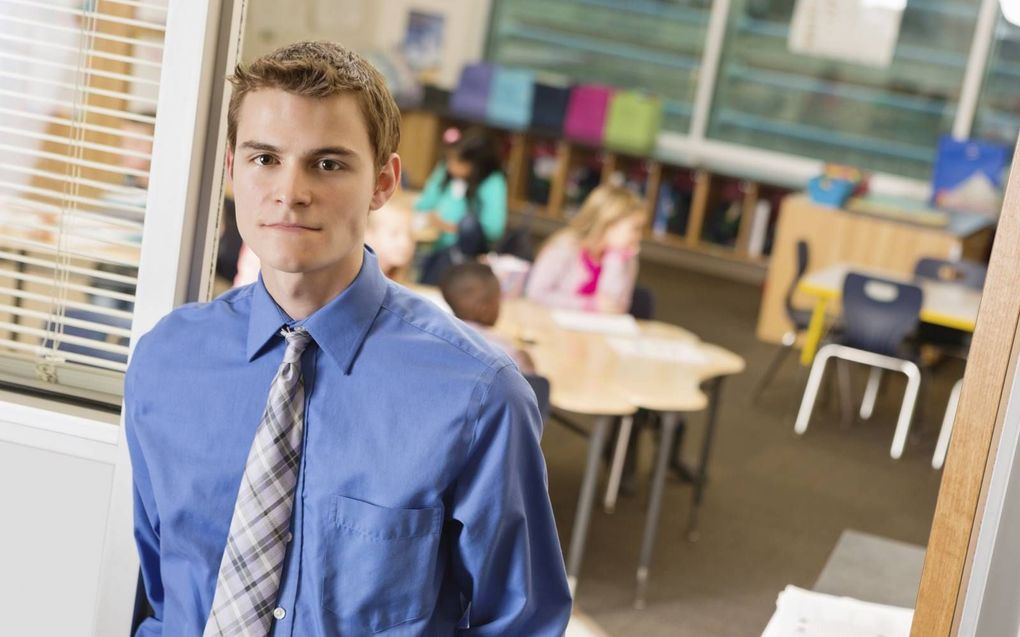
x=969, y=273
x=878, y=316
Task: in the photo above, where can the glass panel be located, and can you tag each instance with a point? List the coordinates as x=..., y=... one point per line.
x=653, y=45
x=998, y=112
x=881, y=119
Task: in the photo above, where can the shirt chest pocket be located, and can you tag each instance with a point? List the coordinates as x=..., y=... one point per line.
x=380, y=567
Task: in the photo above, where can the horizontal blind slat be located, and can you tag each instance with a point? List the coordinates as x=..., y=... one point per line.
x=78, y=305
x=74, y=251
x=92, y=34
x=71, y=339
x=86, y=53
x=63, y=121
x=80, y=89
x=84, y=163
x=76, y=143
x=79, y=69
x=81, y=181
x=91, y=14
x=99, y=203
x=77, y=287
x=39, y=351
x=40, y=263
x=78, y=106
x=104, y=328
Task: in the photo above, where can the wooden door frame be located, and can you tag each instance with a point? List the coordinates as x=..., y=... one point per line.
x=986, y=392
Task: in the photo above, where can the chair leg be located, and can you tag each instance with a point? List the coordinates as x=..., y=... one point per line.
x=619, y=456
x=784, y=349
x=807, y=404
x=907, y=410
x=871, y=393
x=942, y=446
x=845, y=392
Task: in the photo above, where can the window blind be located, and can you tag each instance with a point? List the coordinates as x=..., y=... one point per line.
x=79, y=83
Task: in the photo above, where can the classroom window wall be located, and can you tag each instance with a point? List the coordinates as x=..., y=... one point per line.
x=644, y=44
x=884, y=116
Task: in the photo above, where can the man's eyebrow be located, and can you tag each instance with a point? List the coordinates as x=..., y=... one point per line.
x=332, y=150
x=260, y=146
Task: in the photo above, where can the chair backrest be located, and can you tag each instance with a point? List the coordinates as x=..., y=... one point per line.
x=540, y=385
x=802, y=264
x=642, y=304
x=968, y=273
x=879, y=314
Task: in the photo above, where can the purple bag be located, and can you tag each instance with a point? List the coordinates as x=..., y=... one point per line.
x=586, y=112
x=471, y=97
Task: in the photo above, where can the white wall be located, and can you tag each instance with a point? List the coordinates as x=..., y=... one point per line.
x=365, y=25
x=57, y=475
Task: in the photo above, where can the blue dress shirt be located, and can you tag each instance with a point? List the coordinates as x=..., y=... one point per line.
x=422, y=505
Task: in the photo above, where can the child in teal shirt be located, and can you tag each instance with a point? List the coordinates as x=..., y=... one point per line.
x=470, y=176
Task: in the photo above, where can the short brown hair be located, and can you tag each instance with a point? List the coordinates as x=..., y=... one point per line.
x=321, y=69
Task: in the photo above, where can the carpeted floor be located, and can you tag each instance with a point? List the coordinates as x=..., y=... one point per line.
x=776, y=503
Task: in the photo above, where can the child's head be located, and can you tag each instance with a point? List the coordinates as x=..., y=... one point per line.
x=390, y=234
x=612, y=217
x=472, y=156
x=472, y=292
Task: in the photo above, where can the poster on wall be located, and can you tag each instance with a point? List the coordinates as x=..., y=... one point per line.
x=423, y=44
x=856, y=31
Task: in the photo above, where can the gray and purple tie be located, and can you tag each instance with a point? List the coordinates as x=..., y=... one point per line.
x=252, y=565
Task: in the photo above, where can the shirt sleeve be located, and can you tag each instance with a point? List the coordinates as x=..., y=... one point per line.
x=617, y=280
x=551, y=274
x=507, y=559
x=146, y=518
x=492, y=200
x=432, y=191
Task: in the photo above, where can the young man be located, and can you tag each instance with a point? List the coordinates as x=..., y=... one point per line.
x=322, y=452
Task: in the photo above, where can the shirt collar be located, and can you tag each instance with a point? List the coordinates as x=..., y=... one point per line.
x=339, y=327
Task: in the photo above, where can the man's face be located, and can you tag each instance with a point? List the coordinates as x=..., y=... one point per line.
x=305, y=178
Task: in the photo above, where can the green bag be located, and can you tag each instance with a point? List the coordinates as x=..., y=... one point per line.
x=633, y=121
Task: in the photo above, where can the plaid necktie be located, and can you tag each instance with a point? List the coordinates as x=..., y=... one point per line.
x=252, y=564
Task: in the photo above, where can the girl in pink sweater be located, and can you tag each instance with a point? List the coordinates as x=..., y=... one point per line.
x=592, y=264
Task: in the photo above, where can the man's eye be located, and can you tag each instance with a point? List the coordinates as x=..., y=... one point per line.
x=330, y=165
x=264, y=160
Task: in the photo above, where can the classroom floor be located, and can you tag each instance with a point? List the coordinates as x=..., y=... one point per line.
x=775, y=504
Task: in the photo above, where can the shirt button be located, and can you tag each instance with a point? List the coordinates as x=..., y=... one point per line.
x=279, y=613
x=289, y=537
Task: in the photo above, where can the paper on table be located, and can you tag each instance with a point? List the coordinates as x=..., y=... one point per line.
x=621, y=324
x=802, y=613
x=663, y=349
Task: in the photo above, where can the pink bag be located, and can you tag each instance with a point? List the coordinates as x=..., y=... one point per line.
x=586, y=112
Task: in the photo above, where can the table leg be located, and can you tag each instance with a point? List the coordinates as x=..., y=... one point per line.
x=579, y=534
x=711, y=421
x=814, y=332
x=669, y=424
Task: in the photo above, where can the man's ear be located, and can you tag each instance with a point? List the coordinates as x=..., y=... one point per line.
x=229, y=157
x=386, y=182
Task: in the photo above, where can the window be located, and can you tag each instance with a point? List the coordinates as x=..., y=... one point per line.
x=78, y=91
x=881, y=119
x=998, y=111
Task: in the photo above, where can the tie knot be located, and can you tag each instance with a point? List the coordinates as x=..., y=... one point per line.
x=297, y=340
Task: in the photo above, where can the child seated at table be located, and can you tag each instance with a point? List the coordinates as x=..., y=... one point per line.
x=592, y=264
x=391, y=236
x=472, y=292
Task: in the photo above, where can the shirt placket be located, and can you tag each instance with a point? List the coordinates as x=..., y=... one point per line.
x=287, y=600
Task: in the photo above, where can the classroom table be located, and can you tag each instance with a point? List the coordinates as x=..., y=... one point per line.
x=945, y=303
x=612, y=375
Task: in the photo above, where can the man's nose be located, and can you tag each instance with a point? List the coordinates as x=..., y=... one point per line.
x=293, y=189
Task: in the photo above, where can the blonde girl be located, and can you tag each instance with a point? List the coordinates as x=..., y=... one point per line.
x=592, y=264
